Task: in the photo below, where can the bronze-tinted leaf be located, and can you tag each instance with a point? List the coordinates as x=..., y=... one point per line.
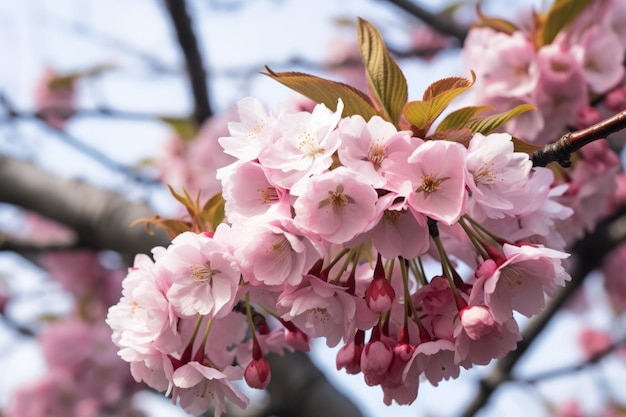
x=486, y=125
x=384, y=76
x=561, y=14
x=212, y=212
x=327, y=92
x=458, y=118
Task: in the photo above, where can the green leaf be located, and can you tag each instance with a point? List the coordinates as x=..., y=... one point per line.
x=495, y=23
x=437, y=97
x=459, y=118
x=327, y=92
x=486, y=125
x=383, y=73
x=67, y=80
x=524, y=147
x=185, y=128
x=213, y=211
x=561, y=14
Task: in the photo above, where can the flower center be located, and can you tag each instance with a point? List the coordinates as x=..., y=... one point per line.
x=337, y=199
x=376, y=153
x=201, y=274
x=307, y=144
x=430, y=184
x=269, y=195
x=512, y=278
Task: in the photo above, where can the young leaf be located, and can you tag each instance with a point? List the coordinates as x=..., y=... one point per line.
x=213, y=211
x=185, y=128
x=173, y=227
x=462, y=136
x=524, y=147
x=561, y=14
x=383, y=73
x=327, y=92
x=495, y=23
x=458, y=118
x=486, y=125
x=437, y=97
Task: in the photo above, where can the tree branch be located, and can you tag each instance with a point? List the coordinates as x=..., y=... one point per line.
x=195, y=68
x=437, y=22
x=561, y=150
x=100, y=218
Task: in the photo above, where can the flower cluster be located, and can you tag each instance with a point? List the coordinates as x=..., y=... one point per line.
x=331, y=226
x=560, y=79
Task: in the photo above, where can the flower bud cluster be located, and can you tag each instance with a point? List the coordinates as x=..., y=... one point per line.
x=329, y=223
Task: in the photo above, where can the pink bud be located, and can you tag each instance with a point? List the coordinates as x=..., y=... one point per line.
x=403, y=351
x=477, y=322
x=258, y=374
x=349, y=358
x=297, y=340
x=375, y=362
x=486, y=269
x=379, y=295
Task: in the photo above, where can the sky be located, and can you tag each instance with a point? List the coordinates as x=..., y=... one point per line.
x=75, y=35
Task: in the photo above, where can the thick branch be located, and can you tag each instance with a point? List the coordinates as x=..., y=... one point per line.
x=437, y=22
x=100, y=218
x=195, y=68
x=571, y=142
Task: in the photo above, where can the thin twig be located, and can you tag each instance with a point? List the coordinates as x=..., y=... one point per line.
x=437, y=22
x=195, y=68
x=567, y=370
x=561, y=150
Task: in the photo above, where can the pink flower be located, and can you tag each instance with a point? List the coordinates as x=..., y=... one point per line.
x=508, y=67
x=250, y=136
x=305, y=147
x=205, y=276
x=496, y=174
x=143, y=322
x=273, y=256
x=366, y=145
x=434, y=359
x=197, y=387
x=518, y=281
x=248, y=193
x=323, y=309
x=336, y=206
x=601, y=70
x=433, y=180
x=484, y=342
x=561, y=91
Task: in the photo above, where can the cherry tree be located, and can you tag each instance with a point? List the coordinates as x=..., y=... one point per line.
x=421, y=237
